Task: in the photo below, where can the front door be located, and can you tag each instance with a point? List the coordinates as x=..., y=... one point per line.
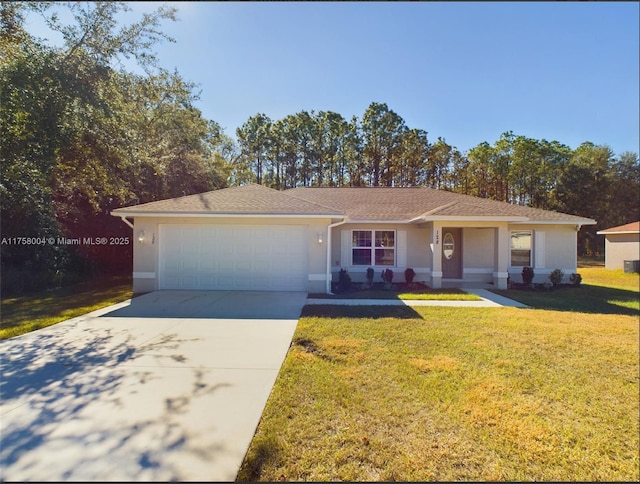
x=451, y=253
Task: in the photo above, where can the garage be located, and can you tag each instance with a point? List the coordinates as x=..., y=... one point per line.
x=233, y=257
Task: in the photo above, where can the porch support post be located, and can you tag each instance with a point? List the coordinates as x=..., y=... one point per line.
x=501, y=268
x=436, y=253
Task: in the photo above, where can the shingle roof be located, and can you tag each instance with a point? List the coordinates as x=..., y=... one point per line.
x=633, y=227
x=361, y=204
x=243, y=200
x=384, y=203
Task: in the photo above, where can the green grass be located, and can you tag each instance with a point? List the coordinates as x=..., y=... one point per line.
x=23, y=314
x=422, y=295
x=601, y=292
x=423, y=394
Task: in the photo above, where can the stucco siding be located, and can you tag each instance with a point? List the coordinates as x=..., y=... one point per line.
x=620, y=247
x=414, y=253
x=478, y=254
x=554, y=247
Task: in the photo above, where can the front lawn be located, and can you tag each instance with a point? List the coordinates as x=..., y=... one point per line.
x=440, y=393
x=424, y=294
x=23, y=314
x=602, y=291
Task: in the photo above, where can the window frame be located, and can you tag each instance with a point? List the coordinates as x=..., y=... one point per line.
x=512, y=248
x=372, y=262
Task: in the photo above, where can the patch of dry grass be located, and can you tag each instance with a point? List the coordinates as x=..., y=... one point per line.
x=23, y=314
x=453, y=394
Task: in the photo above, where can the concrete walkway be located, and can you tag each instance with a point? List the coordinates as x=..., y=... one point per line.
x=489, y=300
x=169, y=386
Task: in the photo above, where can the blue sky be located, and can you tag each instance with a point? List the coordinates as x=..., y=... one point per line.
x=464, y=71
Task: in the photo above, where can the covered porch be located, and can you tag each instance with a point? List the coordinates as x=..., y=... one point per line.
x=471, y=254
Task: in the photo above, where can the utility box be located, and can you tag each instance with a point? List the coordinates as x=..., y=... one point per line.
x=632, y=266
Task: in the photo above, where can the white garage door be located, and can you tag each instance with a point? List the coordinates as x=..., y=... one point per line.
x=272, y=258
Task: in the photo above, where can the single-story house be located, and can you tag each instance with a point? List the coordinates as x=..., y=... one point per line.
x=256, y=238
x=620, y=244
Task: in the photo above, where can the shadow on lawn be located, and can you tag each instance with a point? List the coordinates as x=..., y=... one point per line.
x=583, y=299
x=360, y=311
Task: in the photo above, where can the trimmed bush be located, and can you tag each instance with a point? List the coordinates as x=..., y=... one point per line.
x=556, y=277
x=527, y=274
x=409, y=274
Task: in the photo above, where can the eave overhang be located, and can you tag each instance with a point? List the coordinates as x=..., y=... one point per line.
x=467, y=218
x=627, y=232
x=142, y=213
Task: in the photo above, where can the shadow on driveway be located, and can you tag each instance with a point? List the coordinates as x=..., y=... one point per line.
x=213, y=305
x=145, y=392
x=59, y=397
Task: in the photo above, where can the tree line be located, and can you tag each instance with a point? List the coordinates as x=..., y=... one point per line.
x=325, y=149
x=81, y=135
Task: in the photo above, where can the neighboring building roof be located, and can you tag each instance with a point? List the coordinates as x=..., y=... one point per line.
x=357, y=204
x=243, y=200
x=423, y=204
x=632, y=228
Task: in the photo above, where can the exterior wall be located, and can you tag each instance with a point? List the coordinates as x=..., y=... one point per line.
x=478, y=255
x=486, y=255
x=620, y=247
x=485, y=260
x=416, y=252
x=480, y=261
x=554, y=247
x=146, y=254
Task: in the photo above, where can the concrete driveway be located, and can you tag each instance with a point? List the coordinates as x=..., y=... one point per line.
x=169, y=386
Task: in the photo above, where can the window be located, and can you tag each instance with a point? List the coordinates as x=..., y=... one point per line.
x=521, y=248
x=373, y=248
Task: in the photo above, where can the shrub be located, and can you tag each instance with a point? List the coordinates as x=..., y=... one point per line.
x=387, y=277
x=370, y=273
x=344, y=281
x=575, y=279
x=409, y=274
x=527, y=274
x=556, y=277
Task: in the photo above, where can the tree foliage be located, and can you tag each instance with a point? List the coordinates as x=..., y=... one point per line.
x=81, y=135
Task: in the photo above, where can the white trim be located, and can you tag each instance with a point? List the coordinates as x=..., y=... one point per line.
x=470, y=218
x=477, y=271
x=221, y=215
x=530, y=249
x=372, y=248
x=363, y=269
x=543, y=271
x=401, y=248
x=124, y=219
x=317, y=277
x=501, y=274
x=345, y=248
x=539, y=249
x=144, y=275
x=558, y=222
x=368, y=222
x=604, y=232
x=436, y=273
